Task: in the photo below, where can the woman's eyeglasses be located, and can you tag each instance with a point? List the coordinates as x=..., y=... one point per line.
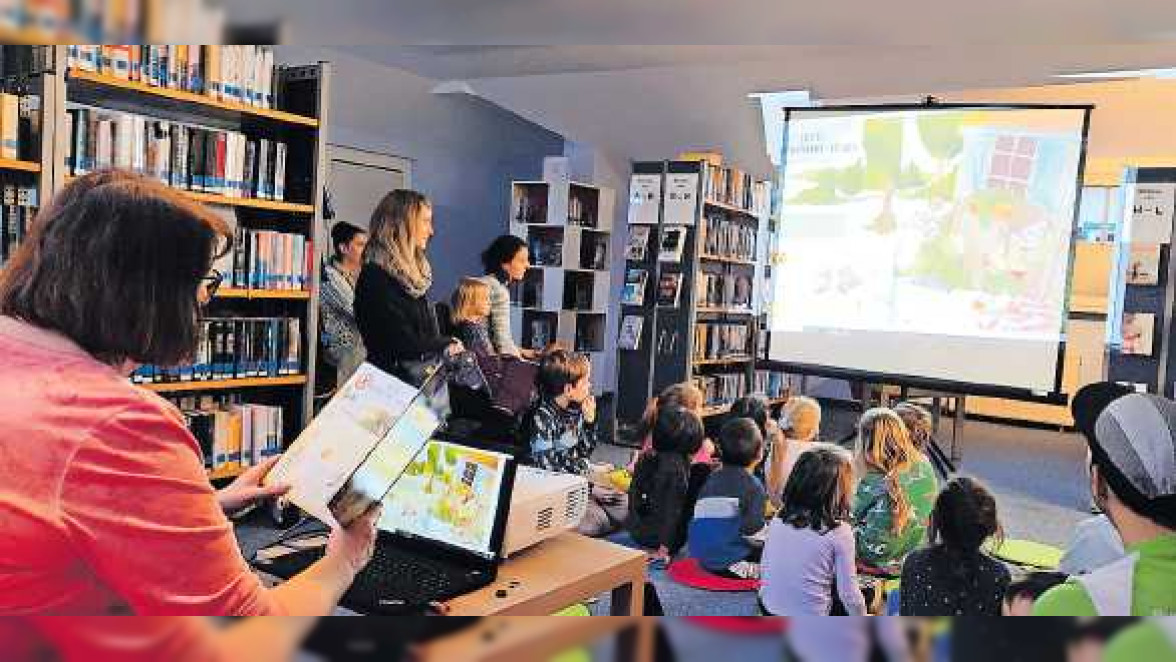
x=212, y=282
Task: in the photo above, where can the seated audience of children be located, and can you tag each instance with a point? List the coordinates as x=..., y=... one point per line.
x=800, y=423
x=657, y=495
x=562, y=434
x=953, y=576
x=895, y=495
x=755, y=408
x=685, y=395
x=470, y=315
x=731, y=506
x=808, y=558
x=1022, y=593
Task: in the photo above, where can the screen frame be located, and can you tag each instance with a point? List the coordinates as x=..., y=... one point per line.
x=1056, y=396
x=454, y=553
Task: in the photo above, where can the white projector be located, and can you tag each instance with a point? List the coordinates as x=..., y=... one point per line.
x=544, y=504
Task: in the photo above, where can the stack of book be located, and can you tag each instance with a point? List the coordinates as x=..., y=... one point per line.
x=720, y=340
x=721, y=389
x=725, y=290
x=234, y=74
x=230, y=433
x=236, y=348
x=728, y=239
x=188, y=157
x=267, y=260
x=773, y=384
x=16, y=215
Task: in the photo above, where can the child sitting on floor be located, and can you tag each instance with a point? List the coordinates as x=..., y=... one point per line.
x=562, y=434
x=731, y=506
x=953, y=576
x=809, y=556
x=684, y=395
x=800, y=423
x=658, y=493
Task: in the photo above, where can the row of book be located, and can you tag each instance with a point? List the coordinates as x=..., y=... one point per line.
x=231, y=433
x=772, y=384
x=721, y=389
x=545, y=247
x=732, y=186
x=728, y=239
x=720, y=340
x=20, y=126
x=581, y=213
x=16, y=215
x=236, y=348
x=267, y=260
x=234, y=74
x=188, y=157
x=724, y=290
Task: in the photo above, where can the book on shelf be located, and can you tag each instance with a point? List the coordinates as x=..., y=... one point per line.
x=236, y=348
x=9, y=126
x=580, y=213
x=355, y=450
x=183, y=156
x=638, y=245
x=241, y=74
x=772, y=384
x=728, y=239
x=720, y=340
x=267, y=260
x=732, y=186
x=673, y=244
x=721, y=389
x=546, y=248
x=232, y=433
x=730, y=291
x=669, y=290
x=633, y=293
x=16, y=216
x=594, y=251
x=630, y=335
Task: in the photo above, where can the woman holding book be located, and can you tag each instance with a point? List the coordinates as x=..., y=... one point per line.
x=506, y=261
x=106, y=507
x=398, y=323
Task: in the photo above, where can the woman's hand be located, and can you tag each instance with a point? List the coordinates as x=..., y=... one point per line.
x=247, y=489
x=352, y=547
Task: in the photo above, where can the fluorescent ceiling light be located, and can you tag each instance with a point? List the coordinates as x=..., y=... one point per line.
x=1122, y=73
x=772, y=105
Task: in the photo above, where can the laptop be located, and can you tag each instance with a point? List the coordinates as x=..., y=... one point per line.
x=440, y=533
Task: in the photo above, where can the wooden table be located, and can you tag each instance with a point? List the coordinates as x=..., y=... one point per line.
x=510, y=639
x=559, y=572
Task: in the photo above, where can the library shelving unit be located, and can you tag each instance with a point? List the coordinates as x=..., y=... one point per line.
x=565, y=295
x=298, y=119
x=689, y=304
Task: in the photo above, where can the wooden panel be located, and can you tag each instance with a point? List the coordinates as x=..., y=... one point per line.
x=25, y=166
x=226, y=384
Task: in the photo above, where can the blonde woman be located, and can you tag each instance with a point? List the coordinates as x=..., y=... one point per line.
x=397, y=322
x=470, y=315
x=895, y=496
x=800, y=423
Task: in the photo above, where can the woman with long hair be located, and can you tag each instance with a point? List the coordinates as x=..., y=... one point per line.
x=895, y=495
x=106, y=507
x=506, y=261
x=398, y=323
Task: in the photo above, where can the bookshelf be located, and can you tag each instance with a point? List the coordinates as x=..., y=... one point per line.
x=298, y=121
x=22, y=166
x=693, y=276
x=26, y=128
x=565, y=295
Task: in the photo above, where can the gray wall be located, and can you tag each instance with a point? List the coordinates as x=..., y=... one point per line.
x=465, y=151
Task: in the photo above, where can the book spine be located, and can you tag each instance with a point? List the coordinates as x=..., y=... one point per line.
x=280, y=171
x=9, y=126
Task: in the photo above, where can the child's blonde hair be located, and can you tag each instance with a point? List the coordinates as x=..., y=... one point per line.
x=919, y=422
x=470, y=296
x=884, y=445
x=801, y=419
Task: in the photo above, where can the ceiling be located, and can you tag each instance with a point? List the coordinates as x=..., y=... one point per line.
x=653, y=101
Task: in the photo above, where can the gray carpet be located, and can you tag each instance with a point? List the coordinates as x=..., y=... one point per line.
x=1038, y=476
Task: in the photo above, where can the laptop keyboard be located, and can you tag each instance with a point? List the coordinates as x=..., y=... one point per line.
x=393, y=576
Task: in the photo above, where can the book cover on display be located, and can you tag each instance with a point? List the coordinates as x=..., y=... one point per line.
x=673, y=243
x=669, y=290
x=630, y=336
x=638, y=244
x=633, y=293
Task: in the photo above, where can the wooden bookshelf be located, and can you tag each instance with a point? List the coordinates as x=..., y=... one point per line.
x=736, y=360
x=34, y=37
x=23, y=166
x=725, y=311
x=91, y=84
x=227, y=384
x=726, y=260
x=226, y=472
x=731, y=208
x=282, y=295
x=251, y=203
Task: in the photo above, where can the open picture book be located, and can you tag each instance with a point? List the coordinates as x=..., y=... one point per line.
x=355, y=450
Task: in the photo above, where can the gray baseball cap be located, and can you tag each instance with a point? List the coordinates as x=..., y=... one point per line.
x=1132, y=439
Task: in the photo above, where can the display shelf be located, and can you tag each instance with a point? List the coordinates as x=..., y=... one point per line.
x=735, y=360
x=23, y=166
x=291, y=295
x=731, y=208
x=90, y=86
x=726, y=260
x=226, y=384
x=227, y=472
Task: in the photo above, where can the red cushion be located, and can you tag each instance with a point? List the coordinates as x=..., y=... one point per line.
x=689, y=573
x=742, y=624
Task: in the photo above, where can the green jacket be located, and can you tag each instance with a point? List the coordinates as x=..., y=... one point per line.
x=1143, y=642
x=1153, y=585
x=873, y=514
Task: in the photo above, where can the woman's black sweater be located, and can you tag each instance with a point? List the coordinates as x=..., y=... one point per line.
x=395, y=325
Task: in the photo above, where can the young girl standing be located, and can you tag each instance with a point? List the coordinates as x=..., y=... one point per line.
x=471, y=314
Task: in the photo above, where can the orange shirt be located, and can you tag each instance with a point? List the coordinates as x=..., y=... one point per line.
x=105, y=506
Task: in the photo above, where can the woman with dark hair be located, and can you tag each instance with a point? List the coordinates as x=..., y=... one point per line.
x=106, y=507
x=342, y=347
x=506, y=261
x=953, y=576
x=397, y=322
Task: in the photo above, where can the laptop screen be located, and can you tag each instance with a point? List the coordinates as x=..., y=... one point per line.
x=450, y=494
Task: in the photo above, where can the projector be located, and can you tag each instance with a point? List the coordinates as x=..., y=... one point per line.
x=543, y=505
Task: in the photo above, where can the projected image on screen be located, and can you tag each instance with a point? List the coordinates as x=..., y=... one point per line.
x=927, y=243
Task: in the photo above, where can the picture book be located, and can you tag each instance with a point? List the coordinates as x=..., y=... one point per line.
x=630, y=336
x=633, y=293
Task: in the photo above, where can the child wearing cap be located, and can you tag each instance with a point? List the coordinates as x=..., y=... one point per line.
x=1133, y=478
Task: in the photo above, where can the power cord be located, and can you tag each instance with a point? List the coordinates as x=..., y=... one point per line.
x=291, y=533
